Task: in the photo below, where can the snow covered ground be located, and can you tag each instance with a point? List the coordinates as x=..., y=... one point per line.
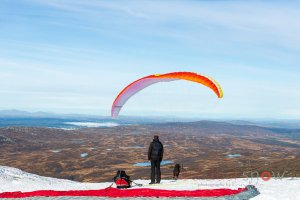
x=12, y=179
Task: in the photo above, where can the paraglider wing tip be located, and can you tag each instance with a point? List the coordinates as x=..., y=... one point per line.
x=221, y=93
x=115, y=111
x=114, y=115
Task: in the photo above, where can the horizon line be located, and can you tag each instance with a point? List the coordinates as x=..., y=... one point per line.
x=143, y=116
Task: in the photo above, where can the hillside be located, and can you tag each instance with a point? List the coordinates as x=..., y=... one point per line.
x=206, y=149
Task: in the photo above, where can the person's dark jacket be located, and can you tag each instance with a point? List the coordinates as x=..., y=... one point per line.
x=156, y=150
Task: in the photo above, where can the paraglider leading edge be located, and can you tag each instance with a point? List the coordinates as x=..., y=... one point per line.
x=144, y=82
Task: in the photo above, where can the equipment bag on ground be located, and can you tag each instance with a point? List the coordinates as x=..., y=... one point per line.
x=122, y=180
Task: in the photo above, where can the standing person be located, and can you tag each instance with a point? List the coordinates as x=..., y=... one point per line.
x=176, y=171
x=155, y=155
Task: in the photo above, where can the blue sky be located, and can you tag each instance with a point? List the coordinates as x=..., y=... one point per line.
x=74, y=56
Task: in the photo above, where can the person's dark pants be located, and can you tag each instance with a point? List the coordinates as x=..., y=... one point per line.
x=155, y=171
x=175, y=175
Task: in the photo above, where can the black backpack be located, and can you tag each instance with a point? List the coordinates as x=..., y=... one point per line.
x=122, y=180
x=156, y=149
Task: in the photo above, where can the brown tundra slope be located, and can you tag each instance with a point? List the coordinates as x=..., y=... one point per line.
x=203, y=148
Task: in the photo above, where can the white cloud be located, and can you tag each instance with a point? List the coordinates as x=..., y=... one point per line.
x=262, y=21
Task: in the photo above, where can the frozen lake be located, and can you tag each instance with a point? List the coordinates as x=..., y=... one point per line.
x=148, y=164
x=84, y=155
x=233, y=155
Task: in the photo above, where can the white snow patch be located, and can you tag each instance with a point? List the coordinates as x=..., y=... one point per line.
x=92, y=124
x=12, y=179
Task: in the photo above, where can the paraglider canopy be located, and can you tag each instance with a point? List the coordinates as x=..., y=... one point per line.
x=144, y=82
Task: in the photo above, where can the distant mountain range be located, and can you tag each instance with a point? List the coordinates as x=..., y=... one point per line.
x=11, y=114
x=25, y=118
x=291, y=124
x=20, y=113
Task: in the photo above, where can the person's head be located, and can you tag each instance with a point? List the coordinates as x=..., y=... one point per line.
x=155, y=137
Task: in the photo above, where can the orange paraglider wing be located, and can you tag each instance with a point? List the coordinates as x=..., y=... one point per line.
x=144, y=82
